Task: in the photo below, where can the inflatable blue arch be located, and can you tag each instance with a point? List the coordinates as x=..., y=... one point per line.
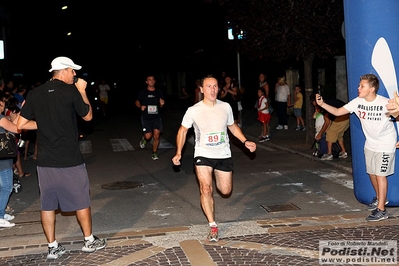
x=372, y=46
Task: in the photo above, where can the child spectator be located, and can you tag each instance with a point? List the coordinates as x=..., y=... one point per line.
x=322, y=123
x=263, y=114
x=298, y=102
x=320, y=139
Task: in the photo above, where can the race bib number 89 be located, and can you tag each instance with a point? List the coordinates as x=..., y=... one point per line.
x=215, y=138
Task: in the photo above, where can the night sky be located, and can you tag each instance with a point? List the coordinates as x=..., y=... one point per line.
x=114, y=41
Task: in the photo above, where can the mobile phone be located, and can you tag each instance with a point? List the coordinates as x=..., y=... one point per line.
x=319, y=92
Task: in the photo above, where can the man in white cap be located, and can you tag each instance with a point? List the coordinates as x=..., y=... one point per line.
x=63, y=180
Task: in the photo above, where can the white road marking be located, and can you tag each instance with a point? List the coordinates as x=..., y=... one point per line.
x=121, y=145
x=336, y=177
x=85, y=146
x=164, y=144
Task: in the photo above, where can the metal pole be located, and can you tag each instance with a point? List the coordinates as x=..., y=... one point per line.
x=238, y=70
x=239, y=84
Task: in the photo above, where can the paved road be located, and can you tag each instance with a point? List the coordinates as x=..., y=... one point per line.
x=283, y=202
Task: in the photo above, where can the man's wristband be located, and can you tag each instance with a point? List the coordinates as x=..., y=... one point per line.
x=245, y=141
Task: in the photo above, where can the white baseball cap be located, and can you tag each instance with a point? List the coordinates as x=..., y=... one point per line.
x=63, y=62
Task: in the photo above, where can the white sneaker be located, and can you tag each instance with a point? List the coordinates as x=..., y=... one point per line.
x=279, y=127
x=55, y=253
x=154, y=156
x=142, y=143
x=263, y=139
x=285, y=127
x=326, y=157
x=8, y=217
x=5, y=223
x=95, y=245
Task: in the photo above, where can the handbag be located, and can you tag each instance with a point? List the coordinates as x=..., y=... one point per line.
x=17, y=187
x=8, y=146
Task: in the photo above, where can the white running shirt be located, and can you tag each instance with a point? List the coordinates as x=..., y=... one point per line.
x=210, y=127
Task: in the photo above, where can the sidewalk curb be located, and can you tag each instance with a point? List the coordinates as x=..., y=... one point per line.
x=280, y=147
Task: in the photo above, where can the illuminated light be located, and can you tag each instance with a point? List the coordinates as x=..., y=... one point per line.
x=1, y=49
x=230, y=34
x=64, y=7
x=240, y=36
x=69, y=33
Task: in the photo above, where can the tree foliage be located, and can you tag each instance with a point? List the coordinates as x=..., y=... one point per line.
x=277, y=30
x=280, y=30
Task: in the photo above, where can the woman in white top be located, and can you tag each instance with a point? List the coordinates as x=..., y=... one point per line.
x=283, y=99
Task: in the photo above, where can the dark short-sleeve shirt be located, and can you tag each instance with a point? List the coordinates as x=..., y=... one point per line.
x=55, y=106
x=7, y=163
x=151, y=100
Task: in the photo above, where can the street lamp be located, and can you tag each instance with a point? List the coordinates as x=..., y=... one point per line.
x=1, y=49
x=237, y=34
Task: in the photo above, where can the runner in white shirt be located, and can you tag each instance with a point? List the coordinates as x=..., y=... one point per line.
x=211, y=118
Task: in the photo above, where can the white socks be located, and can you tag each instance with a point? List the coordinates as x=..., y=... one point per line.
x=90, y=238
x=213, y=224
x=53, y=244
